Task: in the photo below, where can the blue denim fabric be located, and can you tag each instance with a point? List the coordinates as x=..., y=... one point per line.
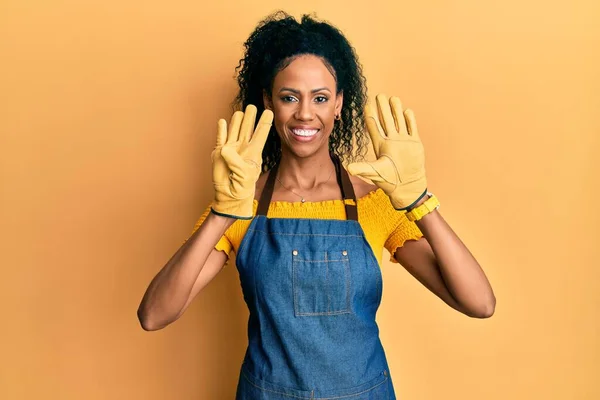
x=313, y=288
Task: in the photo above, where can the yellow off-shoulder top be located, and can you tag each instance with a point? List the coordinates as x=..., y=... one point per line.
x=382, y=224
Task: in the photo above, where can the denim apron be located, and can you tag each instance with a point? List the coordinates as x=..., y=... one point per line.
x=313, y=288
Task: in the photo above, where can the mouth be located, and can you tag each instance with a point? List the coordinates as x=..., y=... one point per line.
x=304, y=134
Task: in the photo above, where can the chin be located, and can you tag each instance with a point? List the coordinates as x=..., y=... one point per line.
x=304, y=153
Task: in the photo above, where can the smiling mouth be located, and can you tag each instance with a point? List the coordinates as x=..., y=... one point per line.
x=305, y=132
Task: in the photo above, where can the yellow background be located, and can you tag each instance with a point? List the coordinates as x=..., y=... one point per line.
x=107, y=118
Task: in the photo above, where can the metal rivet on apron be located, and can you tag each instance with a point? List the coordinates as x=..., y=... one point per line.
x=345, y=253
x=385, y=372
x=295, y=252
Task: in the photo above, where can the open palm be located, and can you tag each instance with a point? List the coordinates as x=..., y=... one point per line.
x=399, y=169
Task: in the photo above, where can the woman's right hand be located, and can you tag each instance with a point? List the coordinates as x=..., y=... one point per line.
x=237, y=160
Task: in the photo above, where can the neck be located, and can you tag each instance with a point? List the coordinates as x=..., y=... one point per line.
x=305, y=173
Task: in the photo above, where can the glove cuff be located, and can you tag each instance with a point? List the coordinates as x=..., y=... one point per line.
x=406, y=203
x=238, y=209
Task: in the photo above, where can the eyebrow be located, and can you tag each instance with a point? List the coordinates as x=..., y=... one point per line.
x=286, y=89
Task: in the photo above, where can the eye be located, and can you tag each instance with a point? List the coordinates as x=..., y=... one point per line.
x=321, y=99
x=288, y=99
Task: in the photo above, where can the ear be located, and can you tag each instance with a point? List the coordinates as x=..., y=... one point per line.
x=339, y=101
x=267, y=102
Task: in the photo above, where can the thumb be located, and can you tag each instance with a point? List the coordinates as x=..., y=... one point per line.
x=380, y=170
x=234, y=161
x=365, y=170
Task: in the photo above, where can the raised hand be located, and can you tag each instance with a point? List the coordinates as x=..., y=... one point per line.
x=237, y=160
x=400, y=166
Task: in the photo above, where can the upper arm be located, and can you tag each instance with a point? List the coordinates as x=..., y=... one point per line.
x=417, y=257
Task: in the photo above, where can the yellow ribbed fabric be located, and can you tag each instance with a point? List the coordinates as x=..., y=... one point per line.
x=382, y=224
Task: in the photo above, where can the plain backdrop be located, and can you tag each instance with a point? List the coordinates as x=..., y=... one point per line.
x=108, y=114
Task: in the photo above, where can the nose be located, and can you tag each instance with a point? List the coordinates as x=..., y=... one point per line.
x=304, y=111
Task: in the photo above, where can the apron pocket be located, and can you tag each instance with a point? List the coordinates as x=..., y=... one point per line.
x=321, y=282
x=252, y=388
x=375, y=389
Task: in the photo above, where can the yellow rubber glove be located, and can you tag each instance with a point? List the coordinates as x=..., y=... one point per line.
x=400, y=166
x=237, y=160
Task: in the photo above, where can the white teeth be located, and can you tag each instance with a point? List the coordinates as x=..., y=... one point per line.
x=305, y=132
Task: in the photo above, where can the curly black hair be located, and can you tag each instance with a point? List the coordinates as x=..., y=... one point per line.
x=274, y=44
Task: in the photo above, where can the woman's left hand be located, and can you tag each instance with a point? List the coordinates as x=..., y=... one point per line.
x=400, y=166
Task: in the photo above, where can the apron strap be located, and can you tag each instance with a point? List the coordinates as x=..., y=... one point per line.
x=347, y=188
x=267, y=193
x=343, y=180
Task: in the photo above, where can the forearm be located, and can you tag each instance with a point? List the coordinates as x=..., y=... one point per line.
x=169, y=290
x=460, y=271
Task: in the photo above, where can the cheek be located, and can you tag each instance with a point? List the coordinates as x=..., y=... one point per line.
x=279, y=115
x=279, y=123
x=280, y=120
x=328, y=117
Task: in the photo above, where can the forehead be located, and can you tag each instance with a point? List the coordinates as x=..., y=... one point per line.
x=305, y=72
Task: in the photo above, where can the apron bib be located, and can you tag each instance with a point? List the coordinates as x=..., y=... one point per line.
x=312, y=288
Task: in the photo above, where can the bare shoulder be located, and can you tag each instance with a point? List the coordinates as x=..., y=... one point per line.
x=361, y=188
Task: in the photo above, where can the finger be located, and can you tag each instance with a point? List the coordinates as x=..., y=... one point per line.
x=234, y=127
x=398, y=114
x=248, y=123
x=374, y=127
x=411, y=123
x=262, y=130
x=221, y=132
x=380, y=118
x=386, y=113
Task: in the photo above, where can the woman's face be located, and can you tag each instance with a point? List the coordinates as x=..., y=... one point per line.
x=304, y=104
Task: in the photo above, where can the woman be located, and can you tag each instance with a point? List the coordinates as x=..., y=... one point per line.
x=310, y=271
